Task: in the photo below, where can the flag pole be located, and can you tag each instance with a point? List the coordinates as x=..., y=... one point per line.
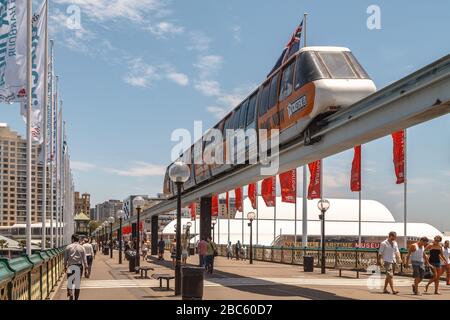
x=360, y=200
x=405, y=188
x=29, y=138
x=52, y=203
x=359, y=221
x=257, y=220
x=305, y=210
x=295, y=208
x=275, y=214
x=304, y=28
x=44, y=144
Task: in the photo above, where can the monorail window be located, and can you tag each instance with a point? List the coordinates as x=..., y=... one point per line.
x=287, y=81
x=251, y=109
x=273, y=98
x=362, y=73
x=264, y=102
x=338, y=66
x=236, y=118
x=243, y=115
x=308, y=69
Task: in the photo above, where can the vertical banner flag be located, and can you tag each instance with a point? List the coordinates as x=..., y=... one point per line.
x=288, y=184
x=355, y=181
x=193, y=208
x=314, y=182
x=38, y=74
x=215, y=205
x=252, y=194
x=227, y=200
x=268, y=191
x=238, y=196
x=399, y=155
x=13, y=50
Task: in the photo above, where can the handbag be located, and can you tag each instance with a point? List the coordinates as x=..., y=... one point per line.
x=428, y=274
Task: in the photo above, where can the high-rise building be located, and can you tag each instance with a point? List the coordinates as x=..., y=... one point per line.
x=83, y=203
x=13, y=177
x=106, y=209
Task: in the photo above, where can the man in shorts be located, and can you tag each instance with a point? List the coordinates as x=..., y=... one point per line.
x=390, y=255
x=418, y=260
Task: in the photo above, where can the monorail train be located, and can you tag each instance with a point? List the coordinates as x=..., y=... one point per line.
x=310, y=85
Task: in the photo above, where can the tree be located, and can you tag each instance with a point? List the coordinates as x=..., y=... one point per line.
x=93, y=225
x=3, y=244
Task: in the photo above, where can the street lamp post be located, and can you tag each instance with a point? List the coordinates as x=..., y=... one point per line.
x=120, y=215
x=251, y=217
x=179, y=174
x=213, y=222
x=323, y=206
x=138, y=203
x=111, y=222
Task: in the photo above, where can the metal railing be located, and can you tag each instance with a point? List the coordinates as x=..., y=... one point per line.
x=352, y=259
x=31, y=277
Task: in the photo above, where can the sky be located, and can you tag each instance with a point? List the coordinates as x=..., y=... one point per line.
x=133, y=71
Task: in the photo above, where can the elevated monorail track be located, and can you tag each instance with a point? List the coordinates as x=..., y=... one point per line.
x=419, y=97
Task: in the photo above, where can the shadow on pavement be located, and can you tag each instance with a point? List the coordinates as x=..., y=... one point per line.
x=264, y=287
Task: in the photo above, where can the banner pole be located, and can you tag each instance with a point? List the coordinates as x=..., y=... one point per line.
x=305, y=209
x=52, y=135
x=405, y=189
x=29, y=138
x=44, y=143
x=304, y=28
x=295, y=209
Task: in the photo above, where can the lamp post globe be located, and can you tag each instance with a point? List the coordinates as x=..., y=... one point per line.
x=323, y=206
x=120, y=214
x=179, y=173
x=251, y=216
x=138, y=203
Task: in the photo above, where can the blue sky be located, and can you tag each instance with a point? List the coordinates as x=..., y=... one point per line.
x=136, y=70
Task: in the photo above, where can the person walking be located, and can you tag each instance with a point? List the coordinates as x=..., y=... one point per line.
x=202, y=248
x=94, y=247
x=418, y=261
x=229, y=251
x=184, y=252
x=211, y=252
x=437, y=260
x=390, y=255
x=89, y=250
x=446, y=268
x=238, y=248
x=144, y=250
x=74, y=262
x=173, y=253
x=161, y=247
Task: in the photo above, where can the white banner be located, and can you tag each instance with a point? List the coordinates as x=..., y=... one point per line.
x=13, y=51
x=38, y=74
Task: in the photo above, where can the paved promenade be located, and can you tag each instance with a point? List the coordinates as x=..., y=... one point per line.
x=238, y=280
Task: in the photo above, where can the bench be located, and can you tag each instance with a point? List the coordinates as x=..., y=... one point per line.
x=145, y=270
x=162, y=277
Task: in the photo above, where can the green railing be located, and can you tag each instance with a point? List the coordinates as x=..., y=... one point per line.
x=354, y=259
x=31, y=277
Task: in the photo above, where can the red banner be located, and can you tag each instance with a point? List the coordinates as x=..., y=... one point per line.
x=215, y=206
x=227, y=200
x=252, y=194
x=193, y=208
x=399, y=155
x=268, y=187
x=355, y=181
x=314, y=182
x=288, y=184
x=238, y=196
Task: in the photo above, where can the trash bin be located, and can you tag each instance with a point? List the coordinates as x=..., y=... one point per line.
x=308, y=264
x=105, y=251
x=130, y=255
x=192, y=283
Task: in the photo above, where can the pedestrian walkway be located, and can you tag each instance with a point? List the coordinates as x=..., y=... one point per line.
x=238, y=280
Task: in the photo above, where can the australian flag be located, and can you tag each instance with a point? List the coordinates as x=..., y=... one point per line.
x=291, y=47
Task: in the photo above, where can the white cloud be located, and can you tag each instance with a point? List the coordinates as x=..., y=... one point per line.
x=208, y=88
x=198, y=41
x=236, y=32
x=218, y=112
x=164, y=28
x=103, y=10
x=140, y=169
x=179, y=78
x=226, y=101
x=82, y=166
x=208, y=65
x=141, y=74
